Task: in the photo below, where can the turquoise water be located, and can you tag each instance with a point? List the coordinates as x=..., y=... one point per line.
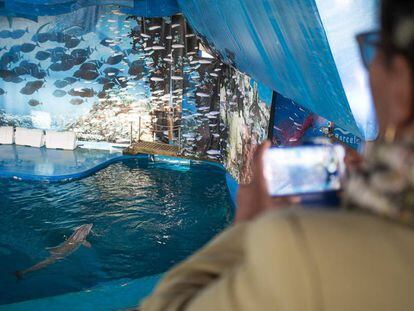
x=146, y=216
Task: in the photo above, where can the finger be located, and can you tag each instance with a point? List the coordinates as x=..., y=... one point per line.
x=258, y=165
x=280, y=202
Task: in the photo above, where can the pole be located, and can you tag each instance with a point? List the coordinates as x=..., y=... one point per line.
x=139, y=129
x=130, y=135
x=179, y=139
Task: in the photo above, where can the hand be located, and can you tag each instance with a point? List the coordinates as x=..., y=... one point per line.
x=353, y=160
x=254, y=199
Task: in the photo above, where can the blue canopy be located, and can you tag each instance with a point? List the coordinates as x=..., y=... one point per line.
x=303, y=49
x=282, y=44
x=144, y=8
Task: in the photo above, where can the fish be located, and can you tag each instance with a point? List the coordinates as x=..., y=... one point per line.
x=81, y=52
x=34, y=103
x=9, y=57
x=41, y=37
x=213, y=152
x=108, y=85
x=63, y=250
x=86, y=74
x=84, y=92
x=154, y=28
x=91, y=65
x=15, y=49
x=42, y=55
x=204, y=61
x=56, y=53
x=31, y=87
x=60, y=83
x=39, y=74
x=177, y=46
x=156, y=79
x=101, y=94
x=111, y=71
x=56, y=67
x=116, y=59
x=76, y=101
x=14, y=80
x=59, y=93
x=2, y=92
x=28, y=47
x=4, y=34
x=102, y=80
x=6, y=74
x=136, y=68
x=73, y=42
x=80, y=60
x=70, y=80
x=201, y=94
x=178, y=78
x=36, y=36
x=106, y=42
x=17, y=34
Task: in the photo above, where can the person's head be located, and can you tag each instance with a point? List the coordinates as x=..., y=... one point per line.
x=392, y=68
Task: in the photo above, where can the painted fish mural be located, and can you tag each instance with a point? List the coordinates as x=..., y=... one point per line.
x=98, y=74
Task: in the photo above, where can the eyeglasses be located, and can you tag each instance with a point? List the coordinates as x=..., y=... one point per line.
x=369, y=42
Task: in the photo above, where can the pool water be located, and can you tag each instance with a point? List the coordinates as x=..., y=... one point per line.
x=147, y=216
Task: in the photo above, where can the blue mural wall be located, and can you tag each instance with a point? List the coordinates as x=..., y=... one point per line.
x=110, y=76
x=56, y=69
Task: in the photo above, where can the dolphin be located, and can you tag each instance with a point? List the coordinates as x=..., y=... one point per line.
x=63, y=250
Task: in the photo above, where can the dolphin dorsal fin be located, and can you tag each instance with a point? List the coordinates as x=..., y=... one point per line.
x=52, y=249
x=86, y=244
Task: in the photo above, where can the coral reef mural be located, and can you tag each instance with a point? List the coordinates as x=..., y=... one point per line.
x=245, y=112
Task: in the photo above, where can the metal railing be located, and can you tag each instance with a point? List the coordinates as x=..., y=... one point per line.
x=158, y=129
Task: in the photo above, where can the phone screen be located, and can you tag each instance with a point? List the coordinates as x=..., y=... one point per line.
x=304, y=170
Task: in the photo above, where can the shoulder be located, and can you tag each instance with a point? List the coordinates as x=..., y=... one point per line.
x=333, y=257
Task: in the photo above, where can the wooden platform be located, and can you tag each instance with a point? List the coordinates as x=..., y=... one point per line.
x=145, y=147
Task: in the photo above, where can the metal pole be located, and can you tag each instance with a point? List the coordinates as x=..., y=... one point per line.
x=179, y=139
x=130, y=135
x=139, y=129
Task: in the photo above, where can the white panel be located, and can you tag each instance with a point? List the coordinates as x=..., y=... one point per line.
x=29, y=137
x=60, y=140
x=6, y=135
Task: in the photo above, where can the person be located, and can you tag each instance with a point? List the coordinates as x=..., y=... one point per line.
x=281, y=256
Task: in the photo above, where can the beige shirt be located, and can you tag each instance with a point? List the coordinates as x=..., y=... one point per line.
x=300, y=260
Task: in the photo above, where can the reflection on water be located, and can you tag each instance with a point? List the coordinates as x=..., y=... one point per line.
x=145, y=220
x=29, y=161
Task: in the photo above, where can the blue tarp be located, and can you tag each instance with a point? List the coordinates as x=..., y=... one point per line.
x=280, y=43
x=144, y=8
x=303, y=49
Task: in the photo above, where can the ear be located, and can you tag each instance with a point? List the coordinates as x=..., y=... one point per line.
x=402, y=90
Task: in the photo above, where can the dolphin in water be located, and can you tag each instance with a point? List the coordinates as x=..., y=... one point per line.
x=63, y=250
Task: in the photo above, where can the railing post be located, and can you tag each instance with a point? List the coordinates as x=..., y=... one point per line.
x=179, y=139
x=139, y=129
x=130, y=135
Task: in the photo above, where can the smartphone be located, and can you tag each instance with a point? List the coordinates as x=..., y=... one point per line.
x=304, y=170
